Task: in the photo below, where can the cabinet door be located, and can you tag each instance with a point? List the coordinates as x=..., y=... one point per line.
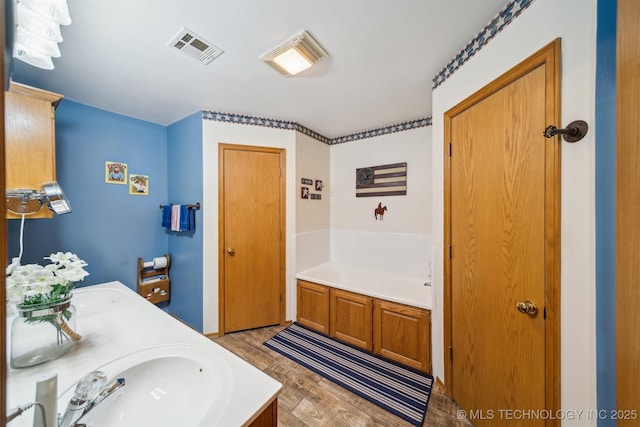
x=403, y=334
x=313, y=306
x=30, y=140
x=351, y=318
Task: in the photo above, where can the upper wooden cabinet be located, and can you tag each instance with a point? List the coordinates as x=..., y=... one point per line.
x=30, y=149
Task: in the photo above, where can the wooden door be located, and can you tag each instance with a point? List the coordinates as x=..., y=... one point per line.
x=503, y=245
x=628, y=215
x=252, y=200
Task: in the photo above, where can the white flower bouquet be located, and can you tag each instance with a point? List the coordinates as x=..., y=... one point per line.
x=34, y=284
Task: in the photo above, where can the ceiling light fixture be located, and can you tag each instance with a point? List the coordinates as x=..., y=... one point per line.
x=38, y=31
x=295, y=55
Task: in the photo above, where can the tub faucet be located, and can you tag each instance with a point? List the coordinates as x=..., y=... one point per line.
x=90, y=392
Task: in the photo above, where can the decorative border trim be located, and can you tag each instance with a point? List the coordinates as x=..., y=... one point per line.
x=248, y=120
x=512, y=10
x=282, y=124
x=313, y=134
x=414, y=124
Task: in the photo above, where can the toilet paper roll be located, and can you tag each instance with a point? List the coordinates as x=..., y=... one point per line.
x=159, y=262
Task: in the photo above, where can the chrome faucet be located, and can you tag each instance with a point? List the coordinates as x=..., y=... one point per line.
x=90, y=392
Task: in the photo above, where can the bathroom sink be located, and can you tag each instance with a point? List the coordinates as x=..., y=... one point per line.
x=91, y=301
x=173, y=385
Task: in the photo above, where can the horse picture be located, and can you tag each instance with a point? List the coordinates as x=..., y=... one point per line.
x=379, y=211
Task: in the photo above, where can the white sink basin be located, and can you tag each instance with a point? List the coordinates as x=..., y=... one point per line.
x=89, y=301
x=174, y=385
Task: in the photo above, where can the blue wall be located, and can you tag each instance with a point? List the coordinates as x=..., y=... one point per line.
x=184, y=154
x=605, y=208
x=108, y=228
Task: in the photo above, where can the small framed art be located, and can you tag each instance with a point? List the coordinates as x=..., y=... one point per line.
x=115, y=173
x=139, y=185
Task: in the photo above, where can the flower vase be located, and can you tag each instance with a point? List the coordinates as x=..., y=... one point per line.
x=42, y=333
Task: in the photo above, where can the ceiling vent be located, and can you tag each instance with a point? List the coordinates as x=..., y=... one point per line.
x=190, y=43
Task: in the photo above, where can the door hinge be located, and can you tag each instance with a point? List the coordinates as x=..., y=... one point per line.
x=450, y=252
x=449, y=149
x=544, y=312
x=451, y=353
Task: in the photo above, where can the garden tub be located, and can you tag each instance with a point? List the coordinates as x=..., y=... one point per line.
x=388, y=285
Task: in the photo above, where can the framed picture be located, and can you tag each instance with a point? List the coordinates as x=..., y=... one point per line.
x=318, y=185
x=139, y=185
x=304, y=192
x=115, y=173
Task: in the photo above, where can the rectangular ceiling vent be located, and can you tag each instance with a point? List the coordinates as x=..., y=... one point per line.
x=190, y=43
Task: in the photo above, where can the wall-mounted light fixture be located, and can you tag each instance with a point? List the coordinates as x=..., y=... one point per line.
x=28, y=201
x=295, y=55
x=38, y=31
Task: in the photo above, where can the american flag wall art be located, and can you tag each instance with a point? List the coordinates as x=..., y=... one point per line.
x=383, y=180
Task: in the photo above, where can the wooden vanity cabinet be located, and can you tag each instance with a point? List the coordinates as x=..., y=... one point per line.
x=351, y=320
x=268, y=417
x=403, y=334
x=313, y=306
x=30, y=140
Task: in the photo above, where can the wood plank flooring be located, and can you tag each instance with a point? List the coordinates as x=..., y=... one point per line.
x=307, y=399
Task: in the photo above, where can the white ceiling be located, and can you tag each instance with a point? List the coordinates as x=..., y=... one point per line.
x=383, y=55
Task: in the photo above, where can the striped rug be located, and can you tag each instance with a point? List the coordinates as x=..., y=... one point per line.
x=400, y=390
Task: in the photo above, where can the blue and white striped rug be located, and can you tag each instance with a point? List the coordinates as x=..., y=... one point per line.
x=400, y=390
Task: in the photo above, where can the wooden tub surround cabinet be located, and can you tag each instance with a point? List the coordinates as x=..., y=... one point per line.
x=398, y=332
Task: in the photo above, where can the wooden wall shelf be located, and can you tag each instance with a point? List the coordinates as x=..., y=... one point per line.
x=154, y=284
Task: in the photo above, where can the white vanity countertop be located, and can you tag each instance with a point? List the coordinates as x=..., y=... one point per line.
x=117, y=328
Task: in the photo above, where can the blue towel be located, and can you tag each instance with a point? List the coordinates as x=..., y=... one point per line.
x=166, y=216
x=192, y=219
x=184, y=218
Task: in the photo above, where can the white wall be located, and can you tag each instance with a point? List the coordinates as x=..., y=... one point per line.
x=312, y=239
x=545, y=20
x=400, y=242
x=228, y=133
x=405, y=214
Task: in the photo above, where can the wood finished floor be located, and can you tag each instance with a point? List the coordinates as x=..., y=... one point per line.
x=307, y=399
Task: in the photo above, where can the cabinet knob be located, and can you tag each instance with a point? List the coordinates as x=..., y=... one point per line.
x=230, y=251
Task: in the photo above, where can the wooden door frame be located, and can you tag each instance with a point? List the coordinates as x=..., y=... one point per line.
x=627, y=220
x=221, y=233
x=550, y=57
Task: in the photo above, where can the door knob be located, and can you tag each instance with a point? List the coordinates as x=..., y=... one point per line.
x=527, y=307
x=230, y=251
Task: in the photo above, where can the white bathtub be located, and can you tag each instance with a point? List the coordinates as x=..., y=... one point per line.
x=388, y=285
